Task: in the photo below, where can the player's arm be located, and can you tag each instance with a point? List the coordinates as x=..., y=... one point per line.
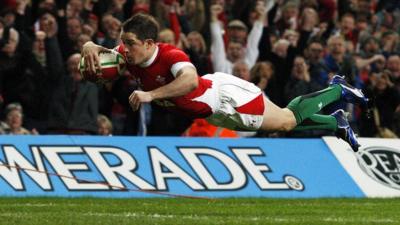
x=185, y=82
x=90, y=52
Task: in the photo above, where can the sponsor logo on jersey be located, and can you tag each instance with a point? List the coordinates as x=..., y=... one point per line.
x=382, y=164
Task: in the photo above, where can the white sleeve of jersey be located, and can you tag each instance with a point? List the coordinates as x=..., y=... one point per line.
x=178, y=66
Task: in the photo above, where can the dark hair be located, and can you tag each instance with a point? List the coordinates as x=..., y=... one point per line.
x=348, y=14
x=317, y=41
x=143, y=25
x=41, y=12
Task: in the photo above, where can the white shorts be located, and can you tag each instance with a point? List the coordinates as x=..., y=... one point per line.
x=236, y=103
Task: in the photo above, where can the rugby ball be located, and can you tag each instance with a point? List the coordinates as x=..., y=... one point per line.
x=112, y=65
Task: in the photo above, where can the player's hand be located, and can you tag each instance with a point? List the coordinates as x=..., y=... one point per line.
x=90, y=52
x=138, y=97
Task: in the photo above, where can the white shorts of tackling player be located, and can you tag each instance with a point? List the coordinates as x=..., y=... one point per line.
x=236, y=103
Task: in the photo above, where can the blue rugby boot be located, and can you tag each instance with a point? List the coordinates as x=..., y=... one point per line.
x=349, y=93
x=344, y=130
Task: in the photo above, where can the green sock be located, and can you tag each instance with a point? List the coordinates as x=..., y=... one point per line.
x=320, y=122
x=306, y=105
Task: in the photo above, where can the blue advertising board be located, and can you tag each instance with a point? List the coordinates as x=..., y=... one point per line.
x=141, y=167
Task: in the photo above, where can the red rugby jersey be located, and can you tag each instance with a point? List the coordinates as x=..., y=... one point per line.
x=161, y=70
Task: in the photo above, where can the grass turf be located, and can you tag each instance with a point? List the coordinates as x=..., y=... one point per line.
x=43, y=211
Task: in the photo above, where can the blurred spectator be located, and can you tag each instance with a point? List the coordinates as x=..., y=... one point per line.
x=292, y=36
x=167, y=36
x=48, y=54
x=300, y=82
x=390, y=43
x=314, y=57
x=241, y=70
x=288, y=19
x=387, y=100
x=8, y=16
x=116, y=8
x=39, y=48
x=91, y=28
x=104, y=126
x=14, y=119
x=223, y=61
x=261, y=74
x=74, y=28
x=393, y=65
x=337, y=62
x=195, y=46
x=195, y=13
x=327, y=10
x=112, y=28
x=347, y=28
x=280, y=48
x=74, y=8
x=82, y=39
x=27, y=76
x=70, y=29
x=74, y=106
x=237, y=31
x=10, y=39
x=370, y=47
x=282, y=52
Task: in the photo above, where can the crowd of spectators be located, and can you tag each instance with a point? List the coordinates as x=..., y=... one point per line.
x=286, y=47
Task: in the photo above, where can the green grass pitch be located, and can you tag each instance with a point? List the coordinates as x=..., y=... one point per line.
x=85, y=211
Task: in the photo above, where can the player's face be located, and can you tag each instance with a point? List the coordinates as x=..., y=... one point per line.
x=136, y=51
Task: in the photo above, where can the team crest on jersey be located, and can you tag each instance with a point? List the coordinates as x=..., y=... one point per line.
x=160, y=79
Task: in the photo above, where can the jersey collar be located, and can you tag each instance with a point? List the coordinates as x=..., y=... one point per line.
x=151, y=60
